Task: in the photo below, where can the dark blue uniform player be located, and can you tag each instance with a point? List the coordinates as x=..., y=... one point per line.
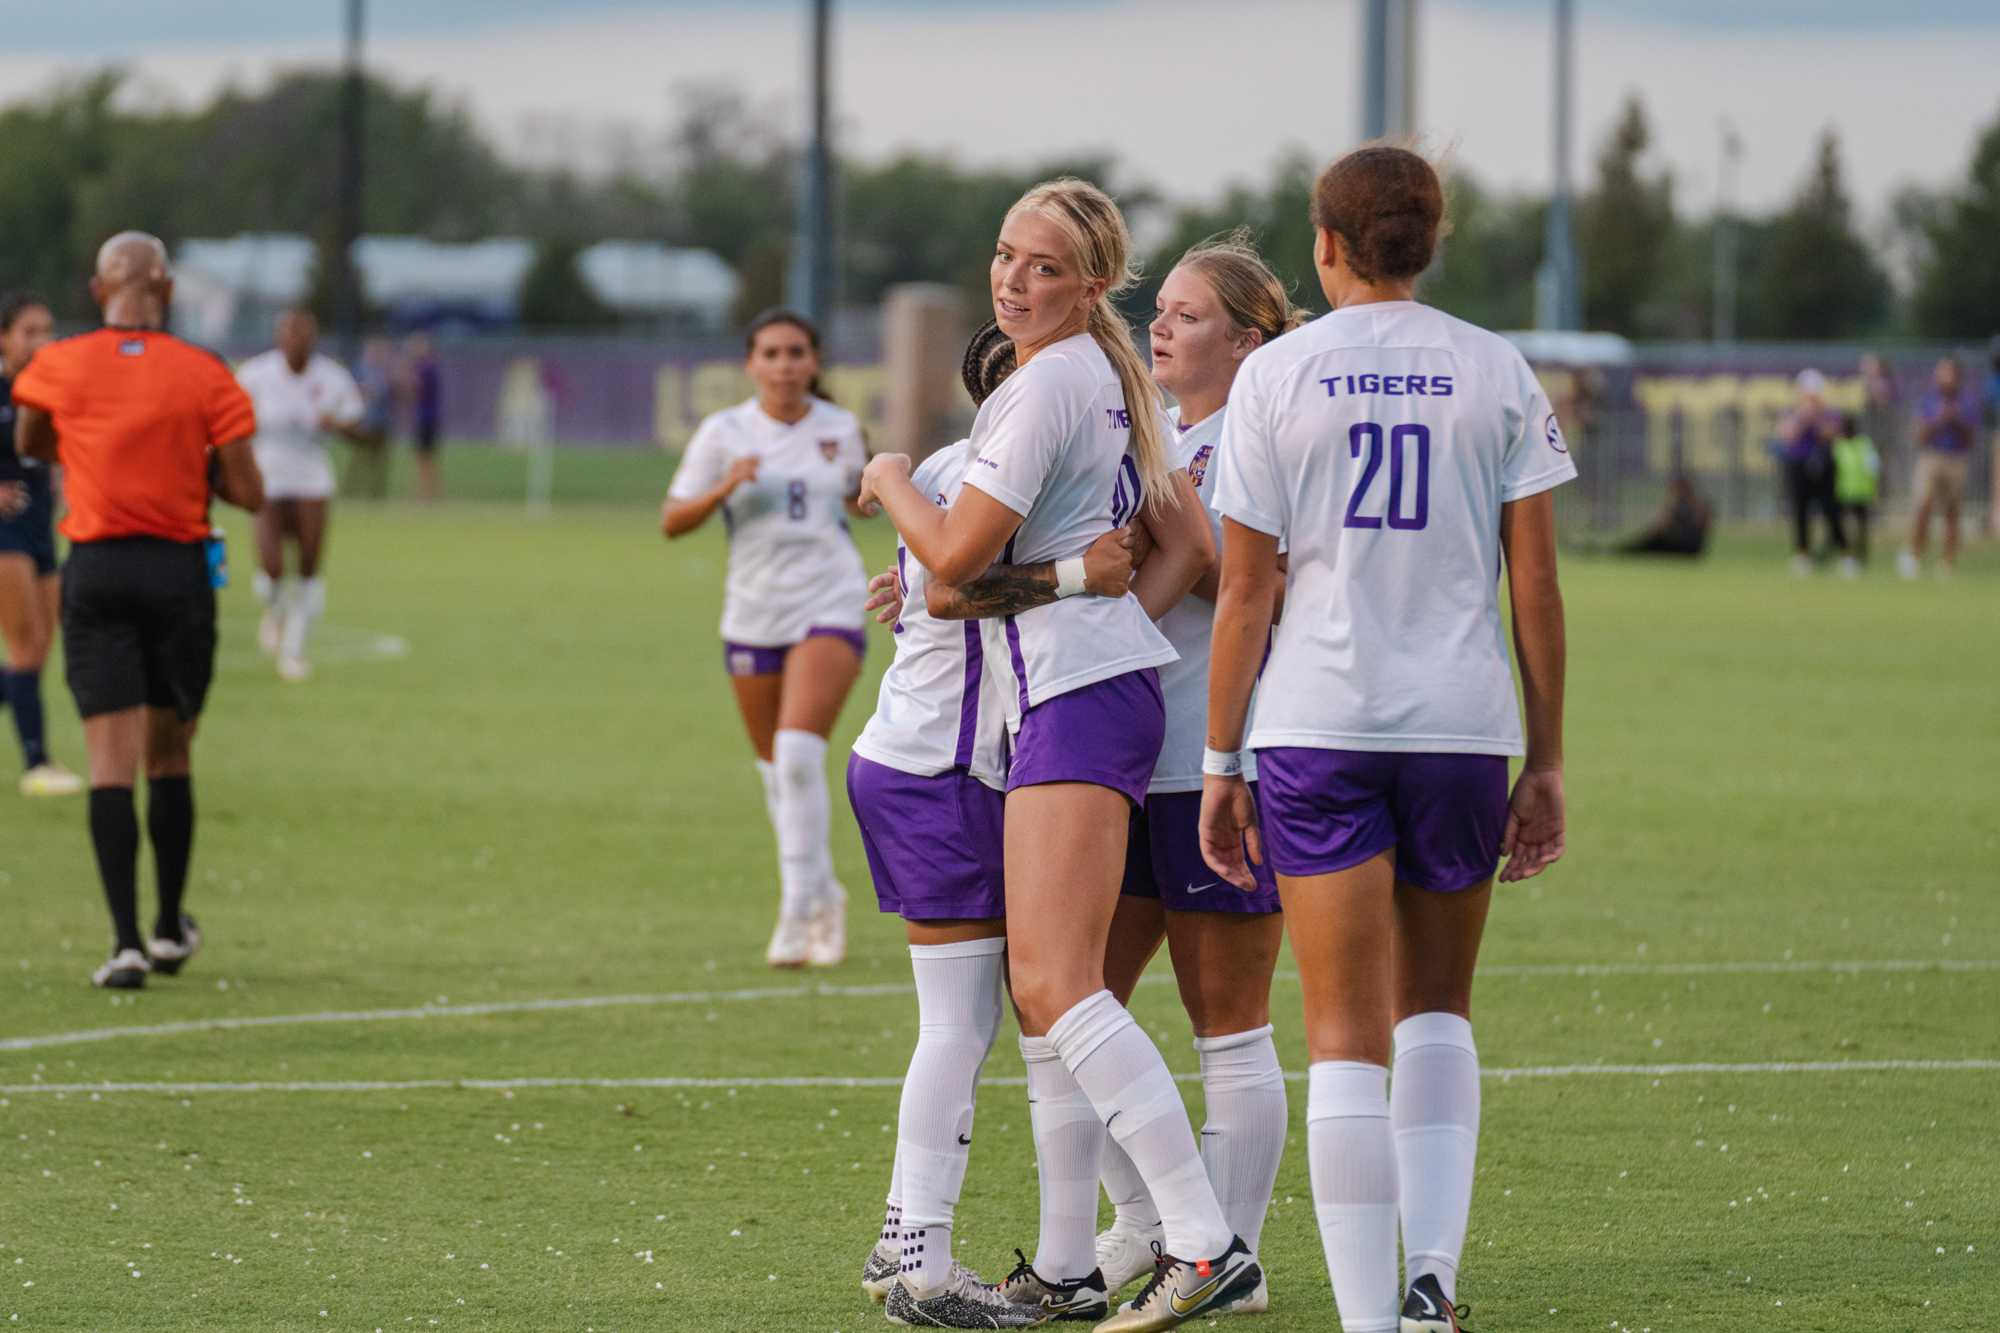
x=28, y=580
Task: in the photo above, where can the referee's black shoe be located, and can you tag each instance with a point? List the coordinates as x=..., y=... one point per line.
x=125, y=969
x=170, y=955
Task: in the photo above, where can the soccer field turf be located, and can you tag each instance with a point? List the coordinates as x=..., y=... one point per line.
x=510, y=834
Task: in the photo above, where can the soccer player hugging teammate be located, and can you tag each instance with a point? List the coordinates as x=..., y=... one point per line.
x=1217, y=305
x=29, y=584
x=782, y=468
x=1399, y=454
x=148, y=430
x=301, y=398
x=1072, y=445
x=926, y=782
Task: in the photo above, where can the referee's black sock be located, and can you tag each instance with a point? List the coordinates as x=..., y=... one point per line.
x=114, y=833
x=170, y=824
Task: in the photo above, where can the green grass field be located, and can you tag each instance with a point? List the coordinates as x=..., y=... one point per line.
x=1783, y=849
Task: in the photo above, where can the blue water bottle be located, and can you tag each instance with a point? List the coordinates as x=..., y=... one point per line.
x=217, y=547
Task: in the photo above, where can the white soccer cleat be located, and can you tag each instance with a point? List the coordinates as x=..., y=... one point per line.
x=790, y=943
x=50, y=780
x=169, y=956
x=1850, y=568
x=1125, y=1255
x=124, y=970
x=879, y=1271
x=1907, y=564
x=293, y=670
x=826, y=932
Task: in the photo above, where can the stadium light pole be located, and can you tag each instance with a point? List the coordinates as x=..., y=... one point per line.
x=809, y=283
x=1389, y=74
x=1725, y=236
x=347, y=208
x=1558, y=285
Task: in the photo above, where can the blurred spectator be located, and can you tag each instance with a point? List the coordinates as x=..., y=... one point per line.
x=420, y=372
x=1680, y=528
x=1805, y=445
x=1881, y=405
x=1857, y=480
x=368, y=464
x=1993, y=419
x=1949, y=422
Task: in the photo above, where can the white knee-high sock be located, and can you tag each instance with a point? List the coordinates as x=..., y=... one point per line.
x=958, y=1013
x=767, y=774
x=1069, y=1141
x=1126, y=1189
x=1121, y=1071
x=1434, y=1105
x=800, y=758
x=1245, y=1133
x=306, y=605
x=266, y=588
x=1353, y=1159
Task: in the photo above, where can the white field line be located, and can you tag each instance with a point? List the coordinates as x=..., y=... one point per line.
x=1780, y=967
x=1504, y=1075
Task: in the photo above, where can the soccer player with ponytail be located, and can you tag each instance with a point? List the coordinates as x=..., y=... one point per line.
x=1219, y=304
x=782, y=468
x=1073, y=445
x=1402, y=457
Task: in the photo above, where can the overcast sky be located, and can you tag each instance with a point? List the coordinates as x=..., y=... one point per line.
x=1190, y=94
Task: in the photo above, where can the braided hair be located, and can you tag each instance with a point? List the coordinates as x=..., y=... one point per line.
x=989, y=359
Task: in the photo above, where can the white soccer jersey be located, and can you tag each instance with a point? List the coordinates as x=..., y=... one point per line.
x=1380, y=443
x=939, y=708
x=1189, y=626
x=1052, y=445
x=290, y=444
x=792, y=564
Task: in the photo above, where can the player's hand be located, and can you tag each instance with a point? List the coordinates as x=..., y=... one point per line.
x=1107, y=565
x=885, y=597
x=1534, y=837
x=742, y=470
x=1229, y=830
x=881, y=468
x=13, y=499
x=1142, y=543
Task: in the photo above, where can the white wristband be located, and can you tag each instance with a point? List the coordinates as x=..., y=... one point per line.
x=1222, y=763
x=1069, y=576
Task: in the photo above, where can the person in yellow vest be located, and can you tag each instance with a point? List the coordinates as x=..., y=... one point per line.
x=1857, y=482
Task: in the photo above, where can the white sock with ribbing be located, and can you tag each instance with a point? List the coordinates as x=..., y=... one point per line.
x=1244, y=1135
x=1069, y=1142
x=800, y=758
x=1353, y=1159
x=1434, y=1106
x=958, y=1013
x=1119, y=1068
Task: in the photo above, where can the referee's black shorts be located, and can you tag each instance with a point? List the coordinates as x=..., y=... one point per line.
x=138, y=624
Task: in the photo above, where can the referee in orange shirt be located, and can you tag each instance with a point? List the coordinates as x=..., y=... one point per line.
x=146, y=428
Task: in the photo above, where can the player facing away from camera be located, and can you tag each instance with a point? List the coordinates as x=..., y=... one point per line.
x=29, y=585
x=1217, y=305
x=781, y=469
x=1400, y=455
x=926, y=782
x=302, y=398
x=1071, y=446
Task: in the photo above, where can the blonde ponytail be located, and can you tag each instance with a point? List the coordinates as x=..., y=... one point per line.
x=1097, y=231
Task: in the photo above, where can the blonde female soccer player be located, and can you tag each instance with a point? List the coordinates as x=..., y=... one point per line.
x=781, y=469
x=1401, y=456
x=1218, y=304
x=1071, y=446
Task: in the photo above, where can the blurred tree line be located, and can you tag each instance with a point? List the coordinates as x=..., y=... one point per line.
x=88, y=157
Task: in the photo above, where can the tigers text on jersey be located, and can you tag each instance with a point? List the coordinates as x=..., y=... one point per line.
x=792, y=564
x=939, y=708
x=1051, y=444
x=1379, y=443
x=1189, y=626
x=290, y=443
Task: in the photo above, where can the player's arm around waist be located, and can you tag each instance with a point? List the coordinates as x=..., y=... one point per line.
x=34, y=434
x=1104, y=570
x=1183, y=550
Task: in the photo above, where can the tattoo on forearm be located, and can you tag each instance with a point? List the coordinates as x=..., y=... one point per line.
x=1004, y=590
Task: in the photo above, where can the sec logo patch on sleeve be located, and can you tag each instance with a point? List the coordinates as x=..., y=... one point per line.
x=1552, y=432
